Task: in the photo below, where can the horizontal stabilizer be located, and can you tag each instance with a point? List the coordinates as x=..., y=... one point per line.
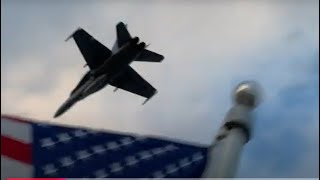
x=149, y=56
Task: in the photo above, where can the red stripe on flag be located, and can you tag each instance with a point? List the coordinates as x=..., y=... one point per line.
x=16, y=150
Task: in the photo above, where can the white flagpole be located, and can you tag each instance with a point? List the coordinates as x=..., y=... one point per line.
x=224, y=153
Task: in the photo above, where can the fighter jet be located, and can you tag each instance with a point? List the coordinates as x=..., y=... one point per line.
x=111, y=66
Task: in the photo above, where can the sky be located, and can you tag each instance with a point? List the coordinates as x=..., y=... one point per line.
x=209, y=47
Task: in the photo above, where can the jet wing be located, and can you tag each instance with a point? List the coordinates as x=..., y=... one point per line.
x=131, y=81
x=92, y=50
x=149, y=56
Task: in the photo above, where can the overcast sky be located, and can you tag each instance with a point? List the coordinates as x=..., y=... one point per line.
x=209, y=47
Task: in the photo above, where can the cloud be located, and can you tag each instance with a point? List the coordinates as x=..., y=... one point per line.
x=287, y=133
x=209, y=47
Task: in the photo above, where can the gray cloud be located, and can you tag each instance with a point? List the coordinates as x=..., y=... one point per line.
x=209, y=47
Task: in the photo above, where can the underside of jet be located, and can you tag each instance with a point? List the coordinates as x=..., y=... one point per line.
x=95, y=54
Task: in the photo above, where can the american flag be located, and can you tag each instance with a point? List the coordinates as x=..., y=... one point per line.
x=34, y=149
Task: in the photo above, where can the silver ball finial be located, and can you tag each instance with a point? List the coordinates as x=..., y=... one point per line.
x=248, y=93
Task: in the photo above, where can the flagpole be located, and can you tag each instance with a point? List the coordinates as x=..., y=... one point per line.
x=236, y=131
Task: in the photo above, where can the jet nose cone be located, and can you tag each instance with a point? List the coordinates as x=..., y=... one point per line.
x=64, y=107
x=57, y=114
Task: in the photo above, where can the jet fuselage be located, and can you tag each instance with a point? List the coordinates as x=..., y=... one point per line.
x=113, y=67
x=100, y=77
x=117, y=62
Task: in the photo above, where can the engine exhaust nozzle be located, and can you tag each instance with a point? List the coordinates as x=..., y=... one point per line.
x=135, y=40
x=142, y=45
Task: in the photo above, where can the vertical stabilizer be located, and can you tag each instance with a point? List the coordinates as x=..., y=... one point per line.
x=123, y=35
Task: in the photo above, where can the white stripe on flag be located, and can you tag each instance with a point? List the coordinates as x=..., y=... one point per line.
x=20, y=131
x=14, y=169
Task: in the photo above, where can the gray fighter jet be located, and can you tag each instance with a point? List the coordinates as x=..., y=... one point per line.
x=111, y=67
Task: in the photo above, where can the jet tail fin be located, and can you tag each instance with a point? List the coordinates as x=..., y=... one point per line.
x=123, y=35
